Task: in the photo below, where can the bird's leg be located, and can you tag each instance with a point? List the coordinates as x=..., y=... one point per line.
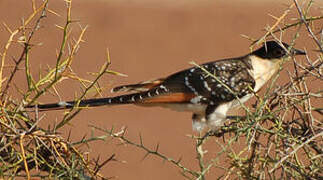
x=198, y=122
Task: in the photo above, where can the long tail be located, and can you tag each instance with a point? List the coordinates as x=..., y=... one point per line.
x=124, y=99
x=142, y=91
x=154, y=95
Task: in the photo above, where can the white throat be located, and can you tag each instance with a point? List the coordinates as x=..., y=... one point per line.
x=263, y=70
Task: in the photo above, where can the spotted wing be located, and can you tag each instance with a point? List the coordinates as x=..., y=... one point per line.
x=223, y=81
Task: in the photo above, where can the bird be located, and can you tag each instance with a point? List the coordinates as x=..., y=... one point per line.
x=208, y=90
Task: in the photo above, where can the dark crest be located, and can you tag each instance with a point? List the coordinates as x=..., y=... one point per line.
x=273, y=50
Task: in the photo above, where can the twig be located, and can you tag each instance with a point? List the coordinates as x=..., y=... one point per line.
x=121, y=135
x=43, y=7
x=24, y=155
x=294, y=151
x=307, y=26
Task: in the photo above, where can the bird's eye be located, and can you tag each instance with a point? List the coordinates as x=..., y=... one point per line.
x=279, y=53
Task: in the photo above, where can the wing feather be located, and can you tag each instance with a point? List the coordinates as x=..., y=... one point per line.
x=169, y=98
x=139, y=87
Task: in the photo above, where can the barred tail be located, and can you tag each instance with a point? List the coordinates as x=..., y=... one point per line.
x=84, y=103
x=135, y=98
x=157, y=95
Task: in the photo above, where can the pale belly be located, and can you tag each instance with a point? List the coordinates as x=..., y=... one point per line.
x=198, y=108
x=200, y=121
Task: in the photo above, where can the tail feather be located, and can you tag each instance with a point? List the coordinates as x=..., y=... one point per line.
x=140, y=87
x=135, y=98
x=156, y=95
x=83, y=103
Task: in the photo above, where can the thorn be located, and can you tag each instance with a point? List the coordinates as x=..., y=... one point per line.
x=145, y=156
x=124, y=130
x=59, y=27
x=276, y=18
x=157, y=147
x=53, y=12
x=7, y=27
x=140, y=137
x=247, y=37
x=69, y=135
x=108, y=56
x=83, y=138
x=99, y=166
x=179, y=160
x=112, y=129
x=116, y=73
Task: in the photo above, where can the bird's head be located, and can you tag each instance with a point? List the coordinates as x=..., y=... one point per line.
x=275, y=50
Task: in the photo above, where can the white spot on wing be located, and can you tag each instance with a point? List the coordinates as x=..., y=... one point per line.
x=196, y=99
x=222, y=96
x=64, y=104
x=187, y=83
x=207, y=86
x=163, y=88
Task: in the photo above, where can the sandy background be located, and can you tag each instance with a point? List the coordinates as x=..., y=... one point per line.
x=147, y=40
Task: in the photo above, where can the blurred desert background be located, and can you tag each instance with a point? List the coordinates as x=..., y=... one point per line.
x=146, y=40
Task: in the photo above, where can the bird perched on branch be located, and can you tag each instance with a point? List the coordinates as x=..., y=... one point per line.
x=208, y=91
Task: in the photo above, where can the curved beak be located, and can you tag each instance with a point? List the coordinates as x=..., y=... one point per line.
x=297, y=52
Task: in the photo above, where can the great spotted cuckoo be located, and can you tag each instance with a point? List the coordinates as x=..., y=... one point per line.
x=208, y=91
